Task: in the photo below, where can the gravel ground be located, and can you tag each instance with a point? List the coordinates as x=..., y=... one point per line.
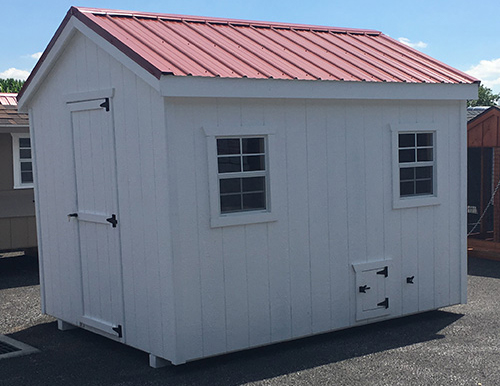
x=457, y=345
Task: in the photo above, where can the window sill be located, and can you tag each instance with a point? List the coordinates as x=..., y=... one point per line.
x=414, y=202
x=23, y=187
x=242, y=218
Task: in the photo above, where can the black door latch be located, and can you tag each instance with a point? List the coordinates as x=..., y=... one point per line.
x=363, y=288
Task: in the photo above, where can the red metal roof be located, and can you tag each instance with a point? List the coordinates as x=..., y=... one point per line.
x=215, y=47
x=8, y=99
x=166, y=44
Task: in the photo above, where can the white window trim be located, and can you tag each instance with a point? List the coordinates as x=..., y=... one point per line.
x=247, y=217
x=399, y=202
x=18, y=184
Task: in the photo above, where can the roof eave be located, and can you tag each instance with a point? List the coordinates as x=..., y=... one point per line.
x=191, y=86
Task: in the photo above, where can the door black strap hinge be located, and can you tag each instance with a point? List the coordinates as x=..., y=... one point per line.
x=384, y=272
x=105, y=104
x=113, y=220
x=118, y=330
x=384, y=304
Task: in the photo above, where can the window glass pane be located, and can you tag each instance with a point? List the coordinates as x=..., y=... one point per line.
x=407, y=155
x=253, y=162
x=26, y=166
x=254, y=184
x=424, y=187
x=24, y=153
x=229, y=164
x=424, y=172
x=24, y=142
x=407, y=188
x=253, y=145
x=26, y=177
x=424, y=139
x=407, y=140
x=424, y=155
x=230, y=203
x=407, y=174
x=228, y=146
x=253, y=201
x=230, y=185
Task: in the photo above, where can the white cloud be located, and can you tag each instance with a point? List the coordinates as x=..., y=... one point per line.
x=411, y=44
x=15, y=73
x=36, y=55
x=488, y=71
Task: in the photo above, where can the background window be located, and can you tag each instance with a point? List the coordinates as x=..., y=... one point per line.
x=241, y=166
x=416, y=163
x=22, y=161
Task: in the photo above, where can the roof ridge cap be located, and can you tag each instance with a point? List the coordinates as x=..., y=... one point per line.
x=221, y=20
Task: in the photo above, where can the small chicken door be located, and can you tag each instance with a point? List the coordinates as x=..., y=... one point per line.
x=372, y=289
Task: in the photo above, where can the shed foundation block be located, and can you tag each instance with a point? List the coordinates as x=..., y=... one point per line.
x=157, y=362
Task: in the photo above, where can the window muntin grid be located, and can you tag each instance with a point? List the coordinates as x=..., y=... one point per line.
x=241, y=166
x=416, y=163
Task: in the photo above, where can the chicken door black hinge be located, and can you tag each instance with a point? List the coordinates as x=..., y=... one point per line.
x=384, y=272
x=384, y=304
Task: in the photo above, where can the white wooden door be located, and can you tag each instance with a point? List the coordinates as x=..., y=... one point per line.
x=97, y=215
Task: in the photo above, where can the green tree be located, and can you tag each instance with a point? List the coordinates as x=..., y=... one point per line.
x=486, y=97
x=11, y=85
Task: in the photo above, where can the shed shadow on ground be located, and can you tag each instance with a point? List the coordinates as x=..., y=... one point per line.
x=483, y=267
x=19, y=271
x=80, y=357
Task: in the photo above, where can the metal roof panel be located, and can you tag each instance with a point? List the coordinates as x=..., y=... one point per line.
x=166, y=44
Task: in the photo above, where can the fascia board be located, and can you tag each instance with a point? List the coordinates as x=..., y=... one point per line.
x=72, y=26
x=49, y=61
x=187, y=86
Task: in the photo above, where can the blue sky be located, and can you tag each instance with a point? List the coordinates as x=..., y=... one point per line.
x=458, y=33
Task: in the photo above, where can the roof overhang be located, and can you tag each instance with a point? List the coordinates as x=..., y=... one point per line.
x=7, y=129
x=169, y=85
x=176, y=86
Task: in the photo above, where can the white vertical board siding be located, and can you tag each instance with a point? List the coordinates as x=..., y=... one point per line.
x=317, y=184
x=56, y=194
x=191, y=290
x=143, y=217
x=248, y=285
x=341, y=279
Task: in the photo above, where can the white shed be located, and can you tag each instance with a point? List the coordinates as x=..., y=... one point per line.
x=210, y=185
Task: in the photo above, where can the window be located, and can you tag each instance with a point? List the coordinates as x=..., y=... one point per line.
x=240, y=175
x=241, y=164
x=415, y=168
x=22, y=161
x=416, y=164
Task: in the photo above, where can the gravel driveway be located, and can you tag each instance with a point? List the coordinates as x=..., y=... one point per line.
x=457, y=345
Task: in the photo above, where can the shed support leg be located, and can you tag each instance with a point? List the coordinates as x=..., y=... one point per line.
x=157, y=362
x=64, y=326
